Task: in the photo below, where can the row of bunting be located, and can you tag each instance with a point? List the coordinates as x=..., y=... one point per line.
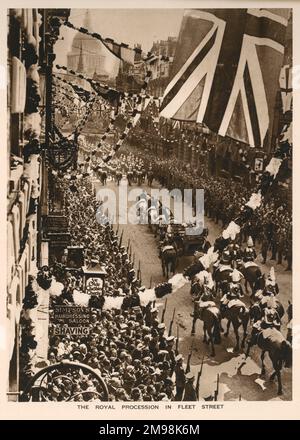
x=121, y=50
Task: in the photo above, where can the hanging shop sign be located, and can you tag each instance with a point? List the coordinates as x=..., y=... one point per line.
x=71, y=320
x=94, y=286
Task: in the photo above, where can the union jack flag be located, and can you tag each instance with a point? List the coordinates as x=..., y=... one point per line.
x=226, y=71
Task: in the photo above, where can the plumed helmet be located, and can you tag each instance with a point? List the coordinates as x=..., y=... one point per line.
x=235, y=276
x=250, y=242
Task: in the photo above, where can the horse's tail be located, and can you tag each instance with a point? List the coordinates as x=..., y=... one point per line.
x=217, y=332
x=286, y=352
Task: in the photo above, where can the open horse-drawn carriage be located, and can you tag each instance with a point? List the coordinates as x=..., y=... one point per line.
x=188, y=244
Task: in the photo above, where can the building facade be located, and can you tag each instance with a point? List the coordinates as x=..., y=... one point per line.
x=27, y=70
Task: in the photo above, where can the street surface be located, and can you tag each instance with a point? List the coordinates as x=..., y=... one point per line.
x=239, y=377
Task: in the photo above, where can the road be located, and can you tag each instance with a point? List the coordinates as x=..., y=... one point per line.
x=239, y=378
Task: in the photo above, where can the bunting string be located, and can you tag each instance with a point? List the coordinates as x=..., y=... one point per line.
x=141, y=104
x=101, y=89
x=104, y=89
x=120, y=50
x=136, y=114
x=79, y=91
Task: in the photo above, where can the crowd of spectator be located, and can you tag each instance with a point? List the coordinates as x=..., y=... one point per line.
x=129, y=347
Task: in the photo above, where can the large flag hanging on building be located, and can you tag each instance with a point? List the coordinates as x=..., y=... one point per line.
x=226, y=71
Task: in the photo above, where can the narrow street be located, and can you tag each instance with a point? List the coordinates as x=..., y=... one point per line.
x=239, y=377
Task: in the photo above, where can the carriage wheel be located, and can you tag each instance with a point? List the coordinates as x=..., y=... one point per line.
x=65, y=381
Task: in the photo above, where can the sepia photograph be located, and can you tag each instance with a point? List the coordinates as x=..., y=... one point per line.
x=149, y=208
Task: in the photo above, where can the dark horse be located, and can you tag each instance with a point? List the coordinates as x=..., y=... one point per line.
x=169, y=260
x=251, y=274
x=238, y=315
x=118, y=177
x=103, y=177
x=191, y=270
x=150, y=177
x=211, y=325
x=130, y=177
x=222, y=279
x=271, y=341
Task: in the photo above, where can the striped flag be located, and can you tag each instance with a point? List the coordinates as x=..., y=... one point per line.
x=226, y=71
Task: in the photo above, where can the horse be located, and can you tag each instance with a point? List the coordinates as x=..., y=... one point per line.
x=118, y=177
x=238, y=315
x=272, y=341
x=134, y=175
x=211, y=324
x=139, y=176
x=103, y=177
x=150, y=177
x=255, y=312
x=168, y=260
x=191, y=270
x=143, y=175
x=129, y=177
x=251, y=273
x=259, y=283
x=222, y=278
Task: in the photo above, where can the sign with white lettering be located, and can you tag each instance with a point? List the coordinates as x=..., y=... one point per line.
x=71, y=320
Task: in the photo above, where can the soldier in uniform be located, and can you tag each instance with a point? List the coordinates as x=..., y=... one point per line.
x=189, y=389
x=162, y=339
x=170, y=349
x=288, y=255
x=207, y=298
x=235, y=250
x=264, y=247
x=235, y=290
x=180, y=377
x=271, y=286
x=274, y=244
x=249, y=252
x=225, y=260
x=270, y=318
x=280, y=245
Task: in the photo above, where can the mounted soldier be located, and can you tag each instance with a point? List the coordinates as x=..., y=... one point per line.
x=207, y=298
x=270, y=317
x=222, y=271
x=235, y=290
x=118, y=175
x=150, y=176
x=168, y=253
x=271, y=286
x=234, y=250
x=249, y=252
x=129, y=176
x=223, y=263
x=248, y=267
